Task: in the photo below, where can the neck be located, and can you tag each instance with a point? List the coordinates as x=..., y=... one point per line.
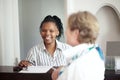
x=51, y=48
x=76, y=43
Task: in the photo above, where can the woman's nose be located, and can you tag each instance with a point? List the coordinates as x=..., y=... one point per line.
x=47, y=32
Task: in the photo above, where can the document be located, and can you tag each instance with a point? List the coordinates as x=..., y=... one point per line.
x=36, y=69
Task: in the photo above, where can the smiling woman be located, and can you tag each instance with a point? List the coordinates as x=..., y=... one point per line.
x=48, y=52
x=19, y=23
x=31, y=13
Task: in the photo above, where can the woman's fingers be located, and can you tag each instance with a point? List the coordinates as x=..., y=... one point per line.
x=25, y=63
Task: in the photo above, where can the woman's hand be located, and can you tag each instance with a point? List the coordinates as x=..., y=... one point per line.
x=24, y=63
x=55, y=73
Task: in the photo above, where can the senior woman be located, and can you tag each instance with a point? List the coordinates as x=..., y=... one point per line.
x=85, y=59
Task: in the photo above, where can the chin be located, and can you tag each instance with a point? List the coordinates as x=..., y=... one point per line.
x=69, y=43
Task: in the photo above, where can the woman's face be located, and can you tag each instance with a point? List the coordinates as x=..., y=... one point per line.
x=72, y=37
x=69, y=37
x=49, y=32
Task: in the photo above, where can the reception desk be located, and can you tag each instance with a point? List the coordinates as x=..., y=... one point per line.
x=7, y=73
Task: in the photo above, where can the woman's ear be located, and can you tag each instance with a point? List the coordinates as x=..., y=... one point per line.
x=74, y=37
x=57, y=33
x=76, y=32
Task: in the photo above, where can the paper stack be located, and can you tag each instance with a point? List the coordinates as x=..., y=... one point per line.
x=36, y=69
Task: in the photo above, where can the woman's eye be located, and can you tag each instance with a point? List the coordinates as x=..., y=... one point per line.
x=51, y=31
x=43, y=30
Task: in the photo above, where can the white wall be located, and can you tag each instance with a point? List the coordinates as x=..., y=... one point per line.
x=90, y=5
x=9, y=32
x=109, y=28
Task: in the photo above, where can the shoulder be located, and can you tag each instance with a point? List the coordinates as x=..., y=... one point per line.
x=37, y=47
x=74, y=50
x=63, y=45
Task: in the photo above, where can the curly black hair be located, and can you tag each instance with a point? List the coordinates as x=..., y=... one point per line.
x=57, y=21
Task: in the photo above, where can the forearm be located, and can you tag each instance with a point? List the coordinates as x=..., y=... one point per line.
x=55, y=72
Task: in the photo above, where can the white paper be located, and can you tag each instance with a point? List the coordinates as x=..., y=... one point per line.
x=36, y=69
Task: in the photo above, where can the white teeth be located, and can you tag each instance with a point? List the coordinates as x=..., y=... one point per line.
x=47, y=37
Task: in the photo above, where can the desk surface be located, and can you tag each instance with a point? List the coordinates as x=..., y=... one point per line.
x=7, y=73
